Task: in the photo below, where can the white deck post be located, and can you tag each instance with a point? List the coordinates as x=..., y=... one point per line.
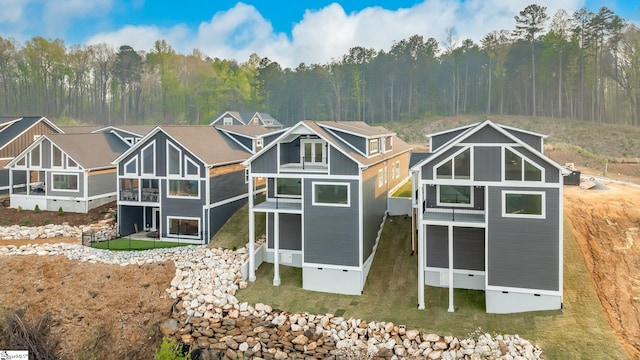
x=252, y=234
x=450, y=232
x=276, y=249
x=421, y=244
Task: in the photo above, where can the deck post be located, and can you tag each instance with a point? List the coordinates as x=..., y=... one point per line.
x=252, y=234
x=421, y=244
x=450, y=240
x=276, y=249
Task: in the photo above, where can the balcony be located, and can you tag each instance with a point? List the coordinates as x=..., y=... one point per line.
x=273, y=204
x=453, y=215
x=305, y=166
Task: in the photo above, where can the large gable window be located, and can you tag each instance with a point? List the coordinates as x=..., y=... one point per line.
x=35, y=156
x=450, y=195
x=330, y=194
x=148, y=159
x=458, y=167
x=523, y=204
x=56, y=157
x=516, y=168
x=131, y=167
x=174, y=159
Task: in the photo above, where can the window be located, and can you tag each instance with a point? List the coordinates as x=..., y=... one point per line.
x=227, y=121
x=330, y=194
x=22, y=161
x=313, y=151
x=191, y=168
x=173, y=159
x=259, y=144
x=398, y=169
x=131, y=167
x=373, y=146
x=56, y=157
x=148, y=159
x=380, y=178
x=246, y=175
x=129, y=140
x=71, y=163
x=458, y=167
x=288, y=187
x=525, y=204
x=450, y=195
x=184, y=188
x=65, y=182
x=35, y=156
x=385, y=175
x=517, y=168
x=187, y=227
x=129, y=189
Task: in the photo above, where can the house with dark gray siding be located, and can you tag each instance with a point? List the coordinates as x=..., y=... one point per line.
x=16, y=133
x=72, y=172
x=326, y=199
x=488, y=207
x=182, y=182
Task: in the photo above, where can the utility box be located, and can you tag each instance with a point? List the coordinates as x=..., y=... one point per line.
x=573, y=178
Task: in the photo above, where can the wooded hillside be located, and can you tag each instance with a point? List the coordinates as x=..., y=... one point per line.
x=583, y=66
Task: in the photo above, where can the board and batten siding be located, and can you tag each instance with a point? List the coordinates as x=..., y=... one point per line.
x=331, y=232
x=487, y=163
x=19, y=143
x=341, y=164
x=523, y=253
x=374, y=206
x=102, y=182
x=266, y=162
x=290, y=229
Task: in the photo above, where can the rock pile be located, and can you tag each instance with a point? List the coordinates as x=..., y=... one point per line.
x=207, y=315
x=103, y=230
x=242, y=331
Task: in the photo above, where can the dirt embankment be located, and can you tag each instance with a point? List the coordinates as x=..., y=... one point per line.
x=98, y=311
x=606, y=226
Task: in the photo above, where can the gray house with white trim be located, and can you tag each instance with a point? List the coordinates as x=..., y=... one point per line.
x=489, y=217
x=68, y=171
x=183, y=182
x=326, y=199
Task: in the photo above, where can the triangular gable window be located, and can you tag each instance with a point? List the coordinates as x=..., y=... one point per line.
x=516, y=168
x=458, y=167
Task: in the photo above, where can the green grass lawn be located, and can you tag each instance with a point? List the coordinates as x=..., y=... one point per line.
x=127, y=244
x=234, y=234
x=404, y=191
x=579, y=331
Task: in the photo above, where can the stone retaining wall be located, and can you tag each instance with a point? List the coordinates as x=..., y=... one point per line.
x=104, y=230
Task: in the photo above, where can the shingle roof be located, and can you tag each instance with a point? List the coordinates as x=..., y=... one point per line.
x=84, y=129
x=207, y=143
x=358, y=127
x=246, y=130
x=91, y=151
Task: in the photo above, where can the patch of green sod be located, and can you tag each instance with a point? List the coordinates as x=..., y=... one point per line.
x=126, y=244
x=579, y=331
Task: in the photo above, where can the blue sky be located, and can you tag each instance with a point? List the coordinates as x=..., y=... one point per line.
x=311, y=31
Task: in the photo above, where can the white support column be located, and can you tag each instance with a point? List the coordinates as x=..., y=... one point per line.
x=450, y=232
x=252, y=234
x=421, y=251
x=276, y=249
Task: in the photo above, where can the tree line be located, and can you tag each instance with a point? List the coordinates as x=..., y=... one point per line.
x=584, y=65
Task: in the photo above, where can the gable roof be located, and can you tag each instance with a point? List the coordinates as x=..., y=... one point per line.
x=474, y=128
x=359, y=128
x=203, y=141
x=249, y=131
x=324, y=132
x=11, y=127
x=245, y=118
x=90, y=151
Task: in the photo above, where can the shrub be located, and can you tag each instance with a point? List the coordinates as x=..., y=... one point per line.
x=19, y=208
x=47, y=221
x=60, y=211
x=36, y=209
x=26, y=222
x=170, y=350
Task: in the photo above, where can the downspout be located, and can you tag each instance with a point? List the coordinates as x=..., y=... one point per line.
x=252, y=231
x=450, y=240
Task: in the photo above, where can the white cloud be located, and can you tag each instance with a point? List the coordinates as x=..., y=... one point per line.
x=58, y=15
x=142, y=37
x=12, y=11
x=328, y=33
